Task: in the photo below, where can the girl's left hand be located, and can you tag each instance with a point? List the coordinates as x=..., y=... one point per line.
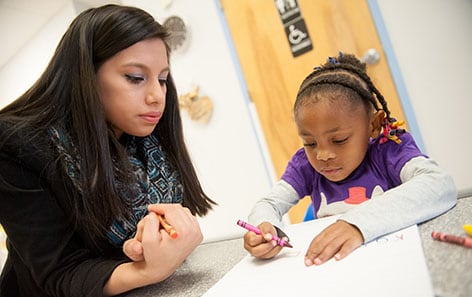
x=337, y=240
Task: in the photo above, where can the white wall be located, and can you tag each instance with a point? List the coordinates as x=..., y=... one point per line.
x=429, y=40
x=23, y=69
x=432, y=41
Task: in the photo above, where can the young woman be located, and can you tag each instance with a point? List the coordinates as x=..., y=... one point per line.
x=93, y=148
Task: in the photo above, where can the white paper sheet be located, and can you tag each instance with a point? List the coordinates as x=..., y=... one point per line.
x=393, y=265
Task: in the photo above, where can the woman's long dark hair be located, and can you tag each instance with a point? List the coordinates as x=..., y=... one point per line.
x=66, y=96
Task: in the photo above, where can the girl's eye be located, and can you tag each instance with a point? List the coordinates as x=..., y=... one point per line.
x=340, y=141
x=312, y=144
x=135, y=79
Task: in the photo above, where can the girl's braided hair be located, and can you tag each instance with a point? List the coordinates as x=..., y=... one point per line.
x=346, y=74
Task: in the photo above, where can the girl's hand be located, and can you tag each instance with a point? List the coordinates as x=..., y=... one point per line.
x=262, y=246
x=338, y=240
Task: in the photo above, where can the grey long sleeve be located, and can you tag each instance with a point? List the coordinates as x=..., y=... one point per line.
x=272, y=207
x=426, y=191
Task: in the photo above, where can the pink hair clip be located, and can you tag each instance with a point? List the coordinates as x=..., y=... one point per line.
x=391, y=130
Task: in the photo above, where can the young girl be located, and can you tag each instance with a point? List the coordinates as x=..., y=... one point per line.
x=355, y=162
x=93, y=148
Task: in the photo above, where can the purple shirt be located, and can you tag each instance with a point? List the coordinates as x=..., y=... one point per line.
x=378, y=172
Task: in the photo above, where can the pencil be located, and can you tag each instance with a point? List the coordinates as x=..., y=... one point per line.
x=168, y=227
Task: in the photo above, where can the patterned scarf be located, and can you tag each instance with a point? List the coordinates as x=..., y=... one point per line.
x=156, y=181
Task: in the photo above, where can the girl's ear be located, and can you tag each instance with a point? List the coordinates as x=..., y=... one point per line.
x=376, y=123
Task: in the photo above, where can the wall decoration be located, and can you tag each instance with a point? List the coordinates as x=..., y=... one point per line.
x=179, y=32
x=199, y=108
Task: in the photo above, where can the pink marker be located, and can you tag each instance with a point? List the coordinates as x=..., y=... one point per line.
x=249, y=227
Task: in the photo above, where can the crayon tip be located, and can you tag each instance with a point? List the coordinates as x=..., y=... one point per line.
x=173, y=234
x=288, y=245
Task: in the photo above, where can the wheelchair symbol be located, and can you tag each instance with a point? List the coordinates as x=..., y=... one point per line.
x=296, y=35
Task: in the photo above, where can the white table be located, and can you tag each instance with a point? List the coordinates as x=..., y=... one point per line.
x=450, y=266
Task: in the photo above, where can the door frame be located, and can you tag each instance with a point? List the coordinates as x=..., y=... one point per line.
x=396, y=73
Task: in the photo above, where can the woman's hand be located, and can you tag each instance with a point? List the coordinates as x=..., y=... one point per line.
x=162, y=253
x=155, y=254
x=338, y=240
x=133, y=247
x=262, y=246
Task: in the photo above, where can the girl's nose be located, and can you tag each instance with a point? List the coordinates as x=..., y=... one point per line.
x=324, y=155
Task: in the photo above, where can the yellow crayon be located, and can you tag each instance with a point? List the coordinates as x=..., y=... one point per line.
x=468, y=229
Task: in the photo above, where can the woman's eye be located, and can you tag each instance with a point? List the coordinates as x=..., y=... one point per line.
x=163, y=81
x=135, y=79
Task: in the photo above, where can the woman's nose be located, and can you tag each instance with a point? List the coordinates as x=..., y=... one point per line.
x=156, y=93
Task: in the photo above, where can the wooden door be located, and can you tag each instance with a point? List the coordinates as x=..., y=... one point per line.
x=273, y=74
